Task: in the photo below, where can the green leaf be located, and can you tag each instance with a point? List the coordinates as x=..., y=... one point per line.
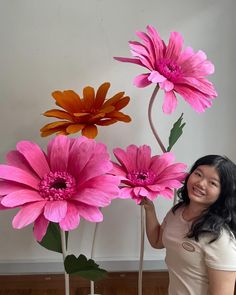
x=86, y=268
x=52, y=238
x=176, y=132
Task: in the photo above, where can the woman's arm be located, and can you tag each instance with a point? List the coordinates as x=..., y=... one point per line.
x=153, y=227
x=221, y=282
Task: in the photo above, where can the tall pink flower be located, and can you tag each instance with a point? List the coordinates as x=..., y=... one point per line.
x=142, y=175
x=174, y=69
x=70, y=182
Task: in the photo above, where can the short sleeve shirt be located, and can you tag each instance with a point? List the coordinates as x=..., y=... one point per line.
x=187, y=260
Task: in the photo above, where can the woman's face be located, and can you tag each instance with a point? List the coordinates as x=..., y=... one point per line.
x=204, y=186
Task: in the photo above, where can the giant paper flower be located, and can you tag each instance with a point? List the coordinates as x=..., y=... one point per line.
x=84, y=114
x=142, y=175
x=175, y=70
x=70, y=182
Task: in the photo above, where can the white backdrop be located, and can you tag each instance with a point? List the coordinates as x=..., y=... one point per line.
x=52, y=45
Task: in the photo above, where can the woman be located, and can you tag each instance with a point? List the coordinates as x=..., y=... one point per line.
x=199, y=233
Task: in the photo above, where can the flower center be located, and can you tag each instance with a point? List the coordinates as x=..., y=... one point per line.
x=142, y=178
x=57, y=186
x=169, y=69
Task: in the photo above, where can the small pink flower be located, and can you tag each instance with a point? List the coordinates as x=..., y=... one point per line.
x=70, y=182
x=144, y=176
x=175, y=70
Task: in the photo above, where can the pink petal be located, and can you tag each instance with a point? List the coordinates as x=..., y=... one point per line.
x=129, y=60
x=174, y=47
x=140, y=191
x=55, y=211
x=7, y=187
x=126, y=193
x=40, y=227
x=58, y=153
x=197, y=100
x=34, y=156
x=156, y=41
x=72, y=219
x=117, y=170
x=18, y=175
x=21, y=197
x=159, y=163
x=142, y=81
x=16, y=159
x=170, y=102
x=28, y=214
x=93, y=197
x=90, y=213
x=156, y=77
x=167, y=85
x=127, y=159
x=200, y=84
x=143, y=157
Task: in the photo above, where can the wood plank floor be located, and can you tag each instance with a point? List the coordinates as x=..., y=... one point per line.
x=154, y=283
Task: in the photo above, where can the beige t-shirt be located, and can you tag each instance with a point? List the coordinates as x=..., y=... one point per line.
x=187, y=260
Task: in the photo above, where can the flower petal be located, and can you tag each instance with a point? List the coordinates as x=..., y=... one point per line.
x=18, y=175
x=101, y=95
x=21, y=197
x=40, y=227
x=28, y=214
x=55, y=211
x=90, y=213
x=143, y=159
x=142, y=80
x=68, y=100
x=156, y=77
x=58, y=153
x=72, y=219
x=174, y=47
x=58, y=114
x=34, y=156
x=170, y=102
x=7, y=187
x=90, y=131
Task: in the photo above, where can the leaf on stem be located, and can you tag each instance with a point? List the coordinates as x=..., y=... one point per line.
x=86, y=268
x=52, y=238
x=176, y=132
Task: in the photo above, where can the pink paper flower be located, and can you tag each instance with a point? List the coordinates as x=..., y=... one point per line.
x=69, y=182
x=175, y=70
x=144, y=176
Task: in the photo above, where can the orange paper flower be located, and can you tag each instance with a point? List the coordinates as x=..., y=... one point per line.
x=83, y=114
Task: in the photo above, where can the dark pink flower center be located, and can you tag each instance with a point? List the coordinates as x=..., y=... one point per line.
x=57, y=186
x=141, y=178
x=169, y=69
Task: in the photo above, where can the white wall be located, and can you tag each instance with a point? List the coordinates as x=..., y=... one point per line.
x=56, y=44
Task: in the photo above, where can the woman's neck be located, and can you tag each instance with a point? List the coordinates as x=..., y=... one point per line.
x=191, y=212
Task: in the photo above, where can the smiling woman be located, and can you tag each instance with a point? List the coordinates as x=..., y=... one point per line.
x=199, y=233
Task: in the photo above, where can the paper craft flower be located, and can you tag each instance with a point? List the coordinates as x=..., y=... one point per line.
x=175, y=70
x=142, y=175
x=83, y=114
x=69, y=182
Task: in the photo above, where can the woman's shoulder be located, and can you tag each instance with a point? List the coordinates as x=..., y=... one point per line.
x=226, y=239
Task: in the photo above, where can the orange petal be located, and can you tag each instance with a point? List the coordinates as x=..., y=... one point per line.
x=106, y=122
x=67, y=102
x=53, y=125
x=122, y=103
x=58, y=114
x=90, y=131
x=81, y=114
x=88, y=97
x=101, y=95
x=114, y=99
x=74, y=128
x=108, y=109
x=55, y=130
x=74, y=97
x=119, y=116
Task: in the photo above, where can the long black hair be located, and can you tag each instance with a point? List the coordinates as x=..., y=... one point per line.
x=222, y=213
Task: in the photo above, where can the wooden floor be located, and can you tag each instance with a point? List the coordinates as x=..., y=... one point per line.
x=154, y=283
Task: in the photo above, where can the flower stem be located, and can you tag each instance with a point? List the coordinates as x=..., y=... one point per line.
x=150, y=119
x=92, y=256
x=63, y=245
x=140, y=274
